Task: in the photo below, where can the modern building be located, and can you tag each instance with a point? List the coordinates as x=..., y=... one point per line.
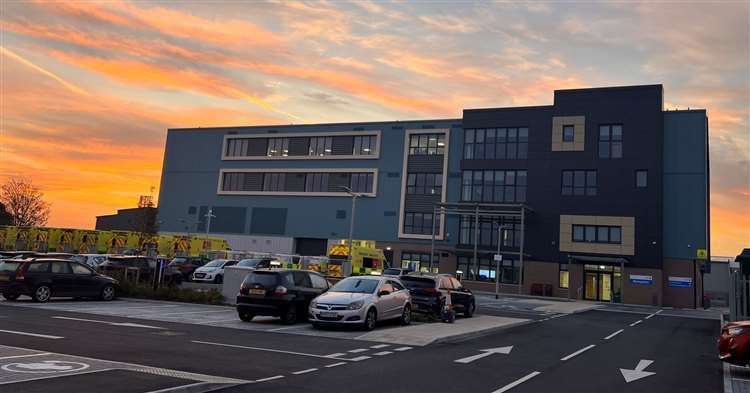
x=137, y=219
x=602, y=195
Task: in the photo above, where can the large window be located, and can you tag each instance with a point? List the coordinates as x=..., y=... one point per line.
x=597, y=234
x=579, y=183
x=237, y=147
x=361, y=182
x=485, y=268
x=641, y=179
x=569, y=133
x=320, y=146
x=496, y=143
x=424, y=184
x=610, y=141
x=274, y=181
x=420, y=223
x=364, y=145
x=419, y=261
x=510, y=237
x=316, y=182
x=426, y=144
x=278, y=147
x=494, y=186
x=564, y=276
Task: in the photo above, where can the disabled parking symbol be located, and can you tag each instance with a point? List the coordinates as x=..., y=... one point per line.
x=45, y=367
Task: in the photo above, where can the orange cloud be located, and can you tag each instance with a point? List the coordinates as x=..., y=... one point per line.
x=729, y=230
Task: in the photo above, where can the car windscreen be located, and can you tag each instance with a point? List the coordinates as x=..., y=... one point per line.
x=356, y=285
x=179, y=261
x=8, y=266
x=418, y=282
x=266, y=279
x=249, y=262
x=216, y=263
x=393, y=272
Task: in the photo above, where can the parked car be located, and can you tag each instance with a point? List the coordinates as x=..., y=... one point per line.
x=255, y=263
x=734, y=343
x=146, y=266
x=92, y=260
x=281, y=293
x=44, y=278
x=362, y=300
x=429, y=290
x=396, y=272
x=187, y=265
x=213, y=271
x=17, y=254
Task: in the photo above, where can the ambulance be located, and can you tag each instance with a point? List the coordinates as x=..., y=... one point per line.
x=366, y=259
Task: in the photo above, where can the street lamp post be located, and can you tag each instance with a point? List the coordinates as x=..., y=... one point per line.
x=354, y=196
x=209, y=216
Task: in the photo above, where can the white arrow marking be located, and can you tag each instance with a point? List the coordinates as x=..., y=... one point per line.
x=637, y=373
x=125, y=324
x=487, y=352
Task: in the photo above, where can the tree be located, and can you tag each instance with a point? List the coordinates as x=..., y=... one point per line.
x=25, y=202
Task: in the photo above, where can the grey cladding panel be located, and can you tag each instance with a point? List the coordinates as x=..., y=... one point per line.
x=299, y=146
x=336, y=180
x=295, y=182
x=342, y=145
x=425, y=163
x=228, y=219
x=420, y=203
x=268, y=221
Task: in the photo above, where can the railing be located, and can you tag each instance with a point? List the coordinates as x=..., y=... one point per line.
x=739, y=294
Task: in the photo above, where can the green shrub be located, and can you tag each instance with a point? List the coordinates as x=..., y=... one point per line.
x=211, y=296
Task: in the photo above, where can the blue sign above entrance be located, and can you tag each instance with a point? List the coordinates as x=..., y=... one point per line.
x=641, y=279
x=679, y=282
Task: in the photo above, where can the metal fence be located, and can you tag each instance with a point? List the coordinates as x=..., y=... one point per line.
x=739, y=295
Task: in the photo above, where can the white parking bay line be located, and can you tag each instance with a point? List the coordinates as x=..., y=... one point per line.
x=335, y=355
x=614, y=334
x=360, y=358
x=262, y=349
x=309, y=370
x=31, y=334
x=196, y=312
x=517, y=382
x=358, y=350
x=382, y=353
x=269, y=378
x=379, y=346
x=649, y=316
x=636, y=322
x=400, y=349
x=25, y=356
x=578, y=352
x=335, y=364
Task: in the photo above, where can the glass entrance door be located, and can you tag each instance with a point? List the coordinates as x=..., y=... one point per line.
x=605, y=287
x=591, y=286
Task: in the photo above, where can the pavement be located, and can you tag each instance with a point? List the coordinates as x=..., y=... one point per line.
x=67, y=346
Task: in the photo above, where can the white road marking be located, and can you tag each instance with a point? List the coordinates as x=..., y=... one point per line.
x=484, y=353
x=638, y=372
x=382, y=353
x=379, y=346
x=636, y=322
x=516, y=382
x=31, y=334
x=269, y=378
x=403, y=349
x=614, y=334
x=196, y=312
x=359, y=358
x=25, y=356
x=578, y=352
x=263, y=349
x=124, y=324
x=221, y=321
x=335, y=364
x=335, y=355
x=309, y=370
x=649, y=316
x=658, y=312
x=357, y=350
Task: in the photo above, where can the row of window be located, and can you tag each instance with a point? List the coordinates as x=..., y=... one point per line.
x=297, y=182
x=597, y=234
x=424, y=184
x=420, y=223
x=488, y=236
x=360, y=145
x=426, y=144
x=496, y=144
x=494, y=186
x=419, y=261
x=485, y=269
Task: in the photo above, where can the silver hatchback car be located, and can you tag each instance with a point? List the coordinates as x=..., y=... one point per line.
x=362, y=300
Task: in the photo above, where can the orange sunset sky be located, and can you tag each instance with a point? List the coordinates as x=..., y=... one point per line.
x=88, y=89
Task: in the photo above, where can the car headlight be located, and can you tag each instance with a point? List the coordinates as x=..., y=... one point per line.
x=736, y=331
x=313, y=304
x=356, y=305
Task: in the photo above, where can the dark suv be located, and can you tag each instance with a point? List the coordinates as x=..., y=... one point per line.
x=187, y=265
x=429, y=290
x=43, y=278
x=279, y=292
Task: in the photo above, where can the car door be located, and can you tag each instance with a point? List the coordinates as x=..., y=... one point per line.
x=401, y=296
x=319, y=283
x=388, y=301
x=446, y=287
x=303, y=286
x=460, y=295
x=84, y=281
x=62, y=278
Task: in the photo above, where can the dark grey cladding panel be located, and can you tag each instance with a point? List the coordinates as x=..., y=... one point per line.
x=253, y=182
x=336, y=180
x=299, y=146
x=268, y=221
x=342, y=145
x=425, y=163
x=256, y=147
x=420, y=203
x=294, y=182
x=228, y=219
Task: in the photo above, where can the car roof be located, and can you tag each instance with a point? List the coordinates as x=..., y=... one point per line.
x=50, y=259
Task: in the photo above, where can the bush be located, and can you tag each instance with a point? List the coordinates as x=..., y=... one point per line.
x=144, y=291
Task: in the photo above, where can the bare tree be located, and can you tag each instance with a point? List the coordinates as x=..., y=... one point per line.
x=25, y=202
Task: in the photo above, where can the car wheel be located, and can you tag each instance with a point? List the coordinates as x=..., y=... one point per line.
x=219, y=279
x=108, y=293
x=11, y=296
x=42, y=293
x=371, y=319
x=406, y=315
x=246, y=316
x=469, y=311
x=290, y=315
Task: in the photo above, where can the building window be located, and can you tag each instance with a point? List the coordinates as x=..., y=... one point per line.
x=424, y=184
x=364, y=145
x=316, y=182
x=510, y=237
x=420, y=223
x=494, y=186
x=569, y=133
x=610, y=141
x=237, y=147
x=485, y=267
x=597, y=234
x=361, y=182
x=641, y=179
x=426, y=144
x=274, y=181
x=579, y=183
x=496, y=143
x=564, y=276
x=419, y=261
x=320, y=146
x=278, y=147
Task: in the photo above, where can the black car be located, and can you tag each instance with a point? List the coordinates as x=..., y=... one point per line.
x=43, y=278
x=146, y=266
x=187, y=265
x=428, y=292
x=279, y=292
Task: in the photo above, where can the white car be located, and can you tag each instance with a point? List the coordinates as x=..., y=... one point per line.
x=212, y=271
x=363, y=301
